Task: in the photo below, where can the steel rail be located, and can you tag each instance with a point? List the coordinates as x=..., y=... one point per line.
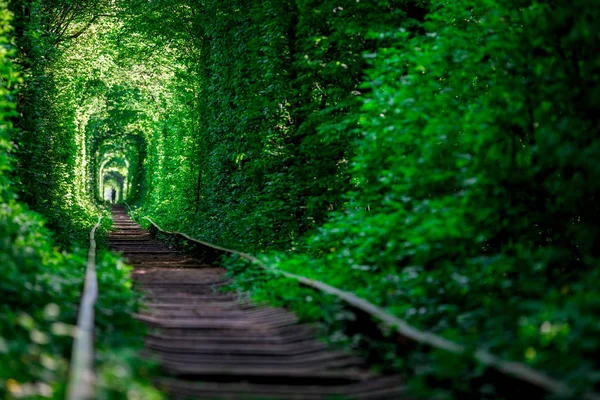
x=81, y=371
x=513, y=369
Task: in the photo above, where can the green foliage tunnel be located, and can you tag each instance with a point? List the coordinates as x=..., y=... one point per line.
x=437, y=158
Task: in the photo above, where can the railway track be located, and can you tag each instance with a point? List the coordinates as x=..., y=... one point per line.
x=213, y=345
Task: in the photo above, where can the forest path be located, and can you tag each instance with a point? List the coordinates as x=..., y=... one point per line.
x=217, y=346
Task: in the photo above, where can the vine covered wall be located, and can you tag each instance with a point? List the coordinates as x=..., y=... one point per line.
x=276, y=106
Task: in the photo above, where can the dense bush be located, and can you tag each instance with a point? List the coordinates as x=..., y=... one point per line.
x=455, y=186
x=474, y=213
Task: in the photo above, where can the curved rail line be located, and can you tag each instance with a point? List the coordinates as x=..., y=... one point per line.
x=513, y=369
x=213, y=345
x=81, y=371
